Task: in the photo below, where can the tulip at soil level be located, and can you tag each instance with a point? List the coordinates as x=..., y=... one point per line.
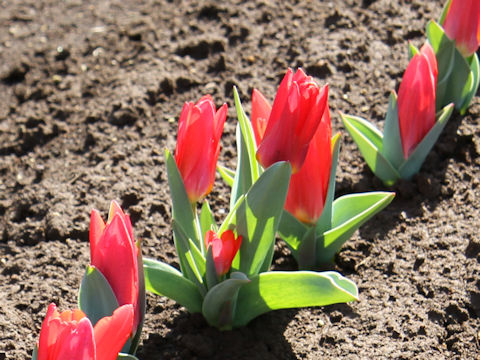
x=116, y=255
x=198, y=145
x=416, y=99
x=224, y=249
x=293, y=120
x=462, y=24
x=70, y=335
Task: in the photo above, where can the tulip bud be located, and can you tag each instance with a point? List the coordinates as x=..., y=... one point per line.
x=70, y=335
x=224, y=249
x=116, y=255
x=198, y=145
x=416, y=99
x=462, y=24
x=296, y=112
x=308, y=188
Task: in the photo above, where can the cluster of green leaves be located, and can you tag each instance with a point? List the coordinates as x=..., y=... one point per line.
x=458, y=77
x=249, y=289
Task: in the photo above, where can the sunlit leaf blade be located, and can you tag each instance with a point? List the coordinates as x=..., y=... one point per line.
x=183, y=245
x=291, y=231
x=96, y=298
x=258, y=216
x=475, y=82
x=207, y=221
x=414, y=162
x=392, y=143
x=349, y=213
x=369, y=141
x=283, y=290
x=325, y=221
x=243, y=174
x=165, y=280
x=444, y=50
x=412, y=50
x=122, y=356
x=228, y=222
x=248, y=136
x=219, y=303
x=182, y=209
x=228, y=175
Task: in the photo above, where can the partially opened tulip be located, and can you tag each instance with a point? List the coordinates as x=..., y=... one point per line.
x=294, y=117
x=308, y=188
x=462, y=24
x=118, y=258
x=416, y=99
x=198, y=145
x=70, y=335
x=224, y=249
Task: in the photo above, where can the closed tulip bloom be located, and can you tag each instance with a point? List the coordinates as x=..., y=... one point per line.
x=114, y=253
x=416, y=99
x=295, y=114
x=70, y=335
x=462, y=24
x=224, y=249
x=198, y=145
x=308, y=188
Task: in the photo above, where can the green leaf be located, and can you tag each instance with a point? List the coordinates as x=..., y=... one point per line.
x=444, y=50
x=292, y=232
x=165, y=280
x=248, y=136
x=369, y=141
x=258, y=216
x=392, y=143
x=283, y=290
x=123, y=356
x=307, y=251
x=412, y=50
x=444, y=12
x=207, y=221
x=219, y=303
x=475, y=81
x=325, y=221
x=228, y=175
x=35, y=353
x=243, y=175
x=96, y=298
x=228, y=222
x=182, y=208
x=184, y=248
x=210, y=271
x=414, y=162
x=349, y=213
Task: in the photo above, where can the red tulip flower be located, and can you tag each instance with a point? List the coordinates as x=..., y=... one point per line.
x=114, y=253
x=308, y=188
x=294, y=117
x=198, y=145
x=224, y=249
x=70, y=335
x=416, y=99
x=462, y=24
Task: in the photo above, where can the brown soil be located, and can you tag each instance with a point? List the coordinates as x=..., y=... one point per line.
x=90, y=94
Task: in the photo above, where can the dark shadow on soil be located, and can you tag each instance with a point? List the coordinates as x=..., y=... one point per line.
x=190, y=337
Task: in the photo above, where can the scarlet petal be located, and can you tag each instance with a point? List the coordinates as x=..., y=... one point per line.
x=416, y=100
x=261, y=109
x=112, y=332
x=116, y=258
x=462, y=24
x=77, y=343
x=97, y=226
